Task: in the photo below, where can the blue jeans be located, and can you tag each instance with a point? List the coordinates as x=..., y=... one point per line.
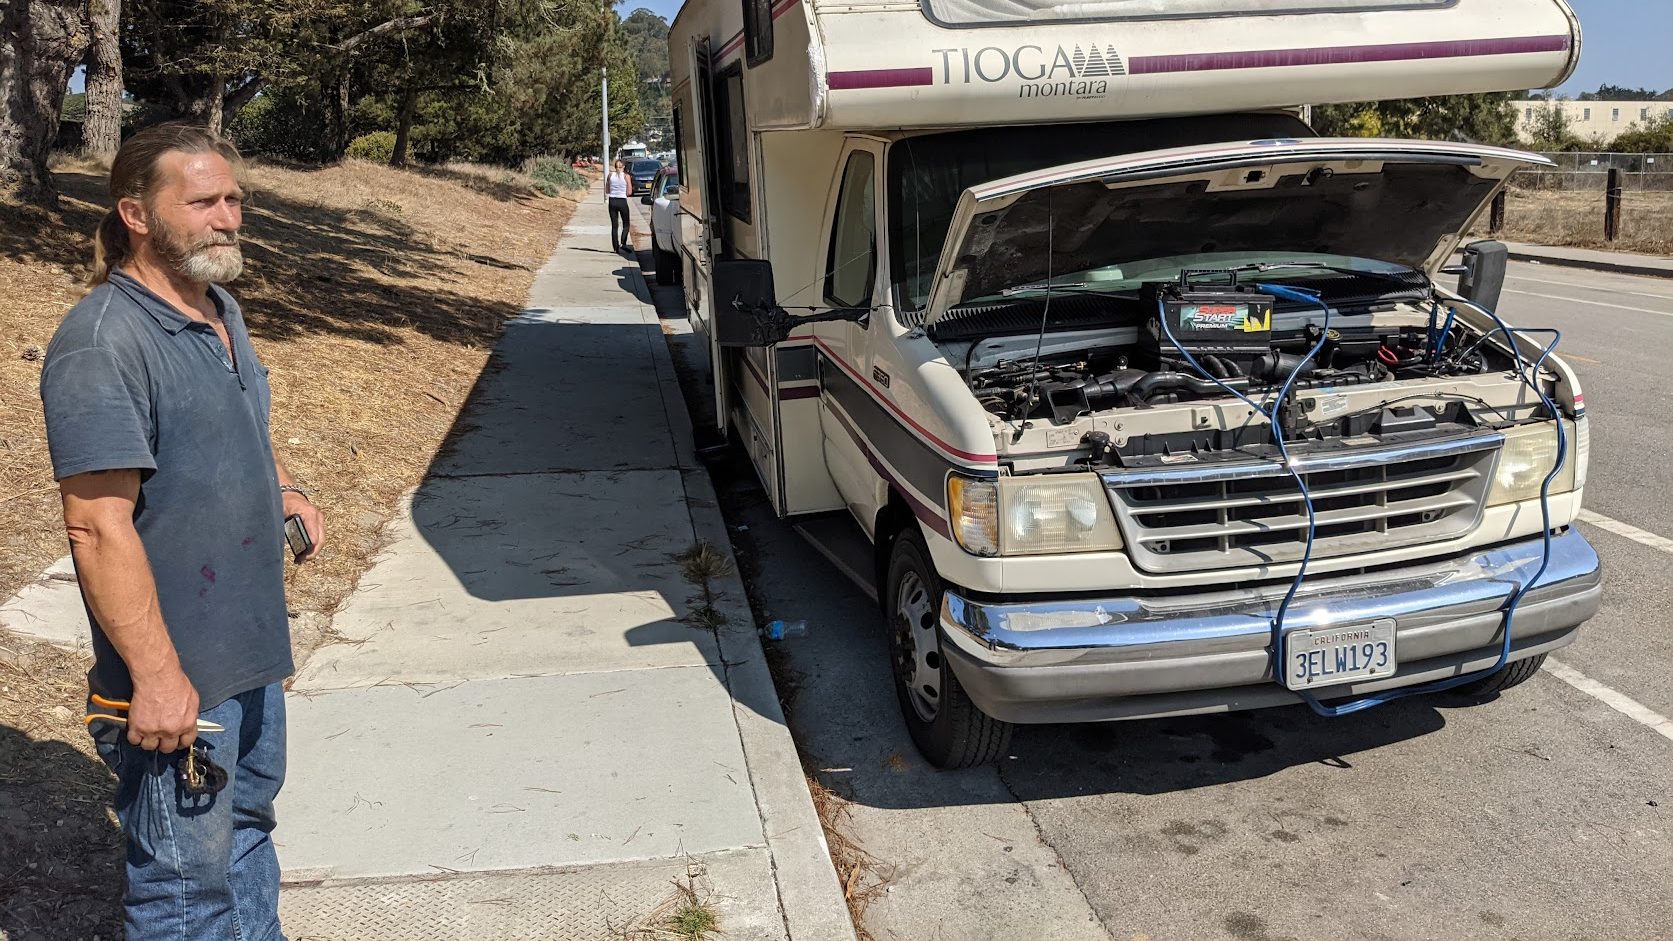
x=203, y=868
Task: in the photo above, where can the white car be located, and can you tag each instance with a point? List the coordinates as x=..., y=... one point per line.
x=665, y=220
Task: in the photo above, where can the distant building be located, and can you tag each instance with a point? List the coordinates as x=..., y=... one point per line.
x=1590, y=119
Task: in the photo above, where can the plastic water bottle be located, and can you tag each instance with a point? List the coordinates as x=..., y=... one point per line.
x=784, y=630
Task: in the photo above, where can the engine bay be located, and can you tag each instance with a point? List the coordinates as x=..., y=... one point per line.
x=1236, y=340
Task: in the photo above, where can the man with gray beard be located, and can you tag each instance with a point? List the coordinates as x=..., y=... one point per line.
x=174, y=501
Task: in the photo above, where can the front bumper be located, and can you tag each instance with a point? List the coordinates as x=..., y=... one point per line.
x=1096, y=659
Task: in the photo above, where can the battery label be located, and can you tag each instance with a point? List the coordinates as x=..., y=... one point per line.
x=1213, y=316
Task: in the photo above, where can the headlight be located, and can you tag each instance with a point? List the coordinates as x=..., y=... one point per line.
x=1032, y=515
x=1526, y=458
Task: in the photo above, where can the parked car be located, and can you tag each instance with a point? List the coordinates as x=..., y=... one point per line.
x=665, y=221
x=643, y=171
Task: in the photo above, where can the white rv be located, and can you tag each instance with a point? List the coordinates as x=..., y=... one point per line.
x=1012, y=302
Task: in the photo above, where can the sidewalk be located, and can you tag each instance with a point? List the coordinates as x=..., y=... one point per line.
x=524, y=737
x=1653, y=266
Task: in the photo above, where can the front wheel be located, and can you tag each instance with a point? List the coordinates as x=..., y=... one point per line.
x=666, y=266
x=1511, y=674
x=949, y=730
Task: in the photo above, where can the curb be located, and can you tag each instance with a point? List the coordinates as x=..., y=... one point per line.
x=809, y=891
x=1565, y=261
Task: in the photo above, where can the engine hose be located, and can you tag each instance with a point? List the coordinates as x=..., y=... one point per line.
x=1172, y=381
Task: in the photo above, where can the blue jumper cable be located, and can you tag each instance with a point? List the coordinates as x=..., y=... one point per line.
x=1277, y=646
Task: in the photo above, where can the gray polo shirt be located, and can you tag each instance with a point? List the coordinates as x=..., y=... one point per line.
x=130, y=382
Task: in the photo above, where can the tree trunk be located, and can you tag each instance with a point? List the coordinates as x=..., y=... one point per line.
x=40, y=43
x=339, y=105
x=214, y=102
x=102, y=133
x=236, y=101
x=403, y=127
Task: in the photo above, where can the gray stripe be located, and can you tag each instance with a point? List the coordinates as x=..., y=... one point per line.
x=797, y=363
x=919, y=465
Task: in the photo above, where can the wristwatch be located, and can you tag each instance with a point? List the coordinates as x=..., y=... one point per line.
x=293, y=488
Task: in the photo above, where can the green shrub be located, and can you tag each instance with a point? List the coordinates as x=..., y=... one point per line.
x=282, y=122
x=377, y=146
x=554, y=175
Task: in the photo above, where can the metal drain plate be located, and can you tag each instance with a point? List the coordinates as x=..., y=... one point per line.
x=589, y=904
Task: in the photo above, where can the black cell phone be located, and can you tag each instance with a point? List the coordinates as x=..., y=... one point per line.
x=296, y=536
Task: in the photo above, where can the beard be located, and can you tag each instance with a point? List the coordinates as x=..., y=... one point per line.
x=210, y=259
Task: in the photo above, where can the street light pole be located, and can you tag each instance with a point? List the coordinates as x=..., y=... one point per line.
x=604, y=88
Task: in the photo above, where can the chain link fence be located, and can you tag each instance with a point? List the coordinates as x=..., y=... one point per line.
x=1589, y=172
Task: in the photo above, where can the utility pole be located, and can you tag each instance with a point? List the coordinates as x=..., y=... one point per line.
x=604, y=87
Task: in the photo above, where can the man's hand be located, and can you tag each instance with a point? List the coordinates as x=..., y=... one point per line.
x=163, y=714
x=312, y=519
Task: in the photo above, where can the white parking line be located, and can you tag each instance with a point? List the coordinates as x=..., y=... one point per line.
x=1640, y=536
x=1620, y=702
x=1590, y=302
x=1577, y=284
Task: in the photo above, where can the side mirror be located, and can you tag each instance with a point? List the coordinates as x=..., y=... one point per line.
x=747, y=311
x=1483, y=278
x=646, y=199
x=746, y=307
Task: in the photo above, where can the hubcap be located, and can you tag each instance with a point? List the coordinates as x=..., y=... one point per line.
x=917, y=648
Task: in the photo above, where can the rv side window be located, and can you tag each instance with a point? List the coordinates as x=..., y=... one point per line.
x=733, y=135
x=851, y=265
x=758, y=30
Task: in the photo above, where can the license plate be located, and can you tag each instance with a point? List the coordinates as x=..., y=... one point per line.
x=1326, y=656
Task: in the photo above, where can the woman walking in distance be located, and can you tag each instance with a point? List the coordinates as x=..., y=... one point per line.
x=615, y=193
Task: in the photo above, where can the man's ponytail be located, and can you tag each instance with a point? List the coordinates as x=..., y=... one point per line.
x=110, y=247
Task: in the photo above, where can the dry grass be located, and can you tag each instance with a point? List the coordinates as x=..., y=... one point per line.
x=1575, y=219
x=374, y=296
x=687, y=914
x=864, y=877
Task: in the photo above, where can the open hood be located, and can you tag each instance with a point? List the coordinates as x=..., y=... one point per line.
x=1394, y=201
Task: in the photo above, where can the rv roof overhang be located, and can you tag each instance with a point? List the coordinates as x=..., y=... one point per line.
x=884, y=64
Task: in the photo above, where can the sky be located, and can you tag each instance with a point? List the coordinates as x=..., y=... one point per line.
x=1625, y=41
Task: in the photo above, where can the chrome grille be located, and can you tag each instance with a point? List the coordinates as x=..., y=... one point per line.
x=1229, y=515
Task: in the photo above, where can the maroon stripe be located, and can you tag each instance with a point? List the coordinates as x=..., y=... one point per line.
x=883, y=78
x=800, y=392
x=1338, y=55
x=925, y=514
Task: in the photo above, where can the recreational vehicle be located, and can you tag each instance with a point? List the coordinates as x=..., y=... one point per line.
x=1126, y=393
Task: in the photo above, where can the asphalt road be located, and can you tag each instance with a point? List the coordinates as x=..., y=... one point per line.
x=1546, y=813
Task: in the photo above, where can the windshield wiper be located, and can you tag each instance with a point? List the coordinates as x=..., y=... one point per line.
x=1393, y=277
x=1040, y=287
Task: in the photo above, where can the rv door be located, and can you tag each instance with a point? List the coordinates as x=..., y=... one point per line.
x=707, y=209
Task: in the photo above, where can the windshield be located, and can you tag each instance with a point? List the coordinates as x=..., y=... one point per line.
x=928, y=173
x=645, y=167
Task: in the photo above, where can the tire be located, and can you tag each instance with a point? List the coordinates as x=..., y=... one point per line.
x=666, y=264
x=1511, y=674
x=949, y=730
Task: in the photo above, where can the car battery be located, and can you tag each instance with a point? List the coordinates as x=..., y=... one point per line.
x=1207, y=323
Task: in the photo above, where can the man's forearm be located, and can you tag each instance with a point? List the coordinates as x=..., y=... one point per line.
x=116, y=579
x=285, y=479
